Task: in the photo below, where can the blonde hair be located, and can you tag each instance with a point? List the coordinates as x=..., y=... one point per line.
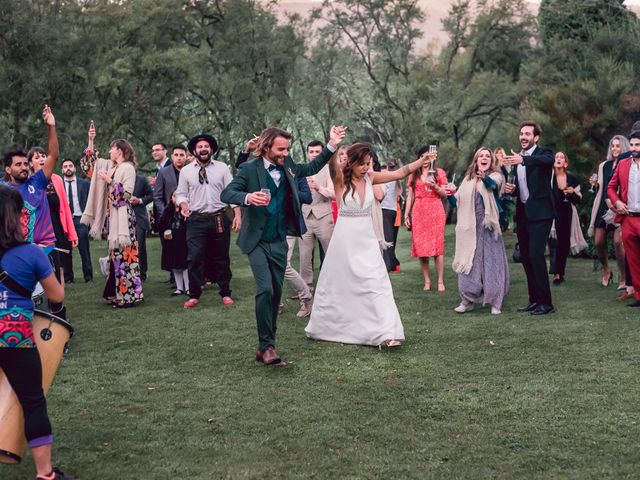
x=473, y=166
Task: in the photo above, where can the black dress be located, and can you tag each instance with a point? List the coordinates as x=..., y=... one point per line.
x=174, y=252
x=564, y=214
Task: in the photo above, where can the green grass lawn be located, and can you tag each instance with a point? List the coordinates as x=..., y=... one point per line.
x=158, y=392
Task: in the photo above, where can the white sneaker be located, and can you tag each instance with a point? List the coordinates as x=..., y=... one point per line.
x=463, y=307
x=495, y=311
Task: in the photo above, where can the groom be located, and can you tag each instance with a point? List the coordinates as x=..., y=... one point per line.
x=269, y=218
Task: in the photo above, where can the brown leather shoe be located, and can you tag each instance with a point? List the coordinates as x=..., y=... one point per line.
x=270, y=357
x=625, y=296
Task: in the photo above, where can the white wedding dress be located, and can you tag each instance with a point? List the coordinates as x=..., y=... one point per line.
x=354, y=300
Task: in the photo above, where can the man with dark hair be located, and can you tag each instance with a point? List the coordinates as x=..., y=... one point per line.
x=38, y=227
x=624, y=192
x=534, y=213
x=267, y=187
x=318, y=216
x=167, y=179
x=77, y=193
x=159, y=155
x=208, y=227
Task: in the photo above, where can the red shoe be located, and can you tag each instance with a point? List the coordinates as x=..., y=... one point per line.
x=397, y=268
x=228, y=301
x=191, y=303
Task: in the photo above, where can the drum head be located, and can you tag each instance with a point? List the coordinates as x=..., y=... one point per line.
x=53, y=318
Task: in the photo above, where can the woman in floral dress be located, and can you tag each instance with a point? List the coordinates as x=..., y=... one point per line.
x=424, y=215
x=114, y=180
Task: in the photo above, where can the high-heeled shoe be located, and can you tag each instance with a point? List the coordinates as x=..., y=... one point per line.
x=427, y=286
x=606, y=281
x=441, y=287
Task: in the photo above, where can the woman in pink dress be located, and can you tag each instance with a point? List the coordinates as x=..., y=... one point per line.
x=424, y=215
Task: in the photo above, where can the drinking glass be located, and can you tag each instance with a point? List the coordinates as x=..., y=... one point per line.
x=267, y=192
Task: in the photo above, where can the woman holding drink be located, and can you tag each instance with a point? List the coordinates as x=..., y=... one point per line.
x=424, y=215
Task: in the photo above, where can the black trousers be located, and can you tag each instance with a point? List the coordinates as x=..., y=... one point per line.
x=141, y=236
x=532, y=238
x=23, y=370
x=560, y=248
x=203, y=242
x=85, y=254
x=391, y=236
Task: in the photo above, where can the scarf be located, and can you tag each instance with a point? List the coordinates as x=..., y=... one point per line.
x=596, y=201
x=466, y=224
x=96, y=209
x=576, y=238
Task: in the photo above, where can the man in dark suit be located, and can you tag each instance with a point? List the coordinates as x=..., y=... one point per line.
x=142, y=196
x=534, y=213
x=77, y=190
x=267, y=220
x=167, y=179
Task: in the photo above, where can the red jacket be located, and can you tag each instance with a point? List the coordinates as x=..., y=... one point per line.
x=66, y=219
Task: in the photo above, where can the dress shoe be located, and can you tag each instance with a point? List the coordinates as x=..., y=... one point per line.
x=543, y=309
x=558, y=281
x=529, y=308
x=305, y=309
x=270, y=357
x=87, y=279
x=625, y=296
x=191, y=303
x=634, y=304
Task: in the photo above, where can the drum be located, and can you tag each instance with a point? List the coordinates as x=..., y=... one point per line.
x=38, y=295
x=51, y=334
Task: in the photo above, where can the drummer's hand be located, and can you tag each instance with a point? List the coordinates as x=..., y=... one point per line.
x=74, y=243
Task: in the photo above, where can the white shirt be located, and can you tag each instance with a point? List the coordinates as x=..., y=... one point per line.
x=633, y=193
x=274, y=172
x=161, y=165
x=77, y=211
x=389, y=202
x=522, y=177
x=203, y=197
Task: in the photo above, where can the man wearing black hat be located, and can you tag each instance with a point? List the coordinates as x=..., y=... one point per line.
x=208, y=228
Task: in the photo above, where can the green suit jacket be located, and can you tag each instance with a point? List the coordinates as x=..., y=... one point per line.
x=251, y=178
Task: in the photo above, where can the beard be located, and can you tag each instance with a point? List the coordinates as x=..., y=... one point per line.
x=204, y=157
x=635, y=154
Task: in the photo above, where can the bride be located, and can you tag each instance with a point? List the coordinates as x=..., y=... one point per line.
x=354, y=300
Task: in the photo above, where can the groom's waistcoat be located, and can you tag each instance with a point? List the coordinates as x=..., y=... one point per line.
x=275, y=226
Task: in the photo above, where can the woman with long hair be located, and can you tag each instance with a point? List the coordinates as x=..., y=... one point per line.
x=480, y=259
x=353, y=277
x=113, y=182
x=565, y=189
x=25, y=264
x=600, y=227
x=424, y=215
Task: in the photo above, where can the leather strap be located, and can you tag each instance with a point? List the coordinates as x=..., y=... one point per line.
x=9, y=282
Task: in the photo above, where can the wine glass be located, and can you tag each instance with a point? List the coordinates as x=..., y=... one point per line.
x=592, y=180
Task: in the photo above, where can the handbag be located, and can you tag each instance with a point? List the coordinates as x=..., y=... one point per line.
x=517, y=258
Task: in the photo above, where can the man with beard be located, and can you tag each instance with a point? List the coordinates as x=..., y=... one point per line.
x=208, y=227
x=77, y=193
x=534, y=214
x=624, y=193
x=37, y=224
x=267, y=186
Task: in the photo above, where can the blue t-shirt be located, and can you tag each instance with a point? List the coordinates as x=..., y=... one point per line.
x=26, y=264
x=37, y=226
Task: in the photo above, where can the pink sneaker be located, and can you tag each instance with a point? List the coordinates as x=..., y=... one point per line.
x=228, y=301
x=191, y=303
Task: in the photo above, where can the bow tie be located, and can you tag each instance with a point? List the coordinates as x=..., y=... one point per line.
x=274, y=167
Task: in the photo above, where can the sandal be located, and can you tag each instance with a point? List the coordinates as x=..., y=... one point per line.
x=390, y=344
x=606, y=281
x=441, y=287
x=427, y=286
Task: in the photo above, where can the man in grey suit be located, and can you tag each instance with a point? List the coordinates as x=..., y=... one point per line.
x=167, y=179
x=142, y=196
x=318, y=216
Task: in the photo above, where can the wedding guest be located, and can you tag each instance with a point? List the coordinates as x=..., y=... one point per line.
x=173, y=228
x=534, y=213
x=565, y=188
x=480, y=258
x=24, y=264
x=141, y=197
x=389, y=206
x=208, y=227
x=61, y=218
x=601, y=225
x=112, y=183
x=342, y=161
x=77, y=193
x=505, y=202
x=424, y=215
x=623, y=192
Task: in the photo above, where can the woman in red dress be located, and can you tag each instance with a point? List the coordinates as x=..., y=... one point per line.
x=424, y=215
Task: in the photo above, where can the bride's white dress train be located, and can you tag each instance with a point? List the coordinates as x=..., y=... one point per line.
x=354, y=300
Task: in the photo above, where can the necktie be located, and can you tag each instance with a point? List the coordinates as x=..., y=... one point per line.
x=70, y=195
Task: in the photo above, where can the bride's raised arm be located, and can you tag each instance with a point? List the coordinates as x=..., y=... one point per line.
x=386, y=176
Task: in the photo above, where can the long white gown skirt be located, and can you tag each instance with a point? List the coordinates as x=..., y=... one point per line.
x=354, y=300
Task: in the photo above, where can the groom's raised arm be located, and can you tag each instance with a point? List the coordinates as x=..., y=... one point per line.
x=307, y=169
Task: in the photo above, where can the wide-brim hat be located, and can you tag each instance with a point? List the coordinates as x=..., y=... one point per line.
x=207, y=138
